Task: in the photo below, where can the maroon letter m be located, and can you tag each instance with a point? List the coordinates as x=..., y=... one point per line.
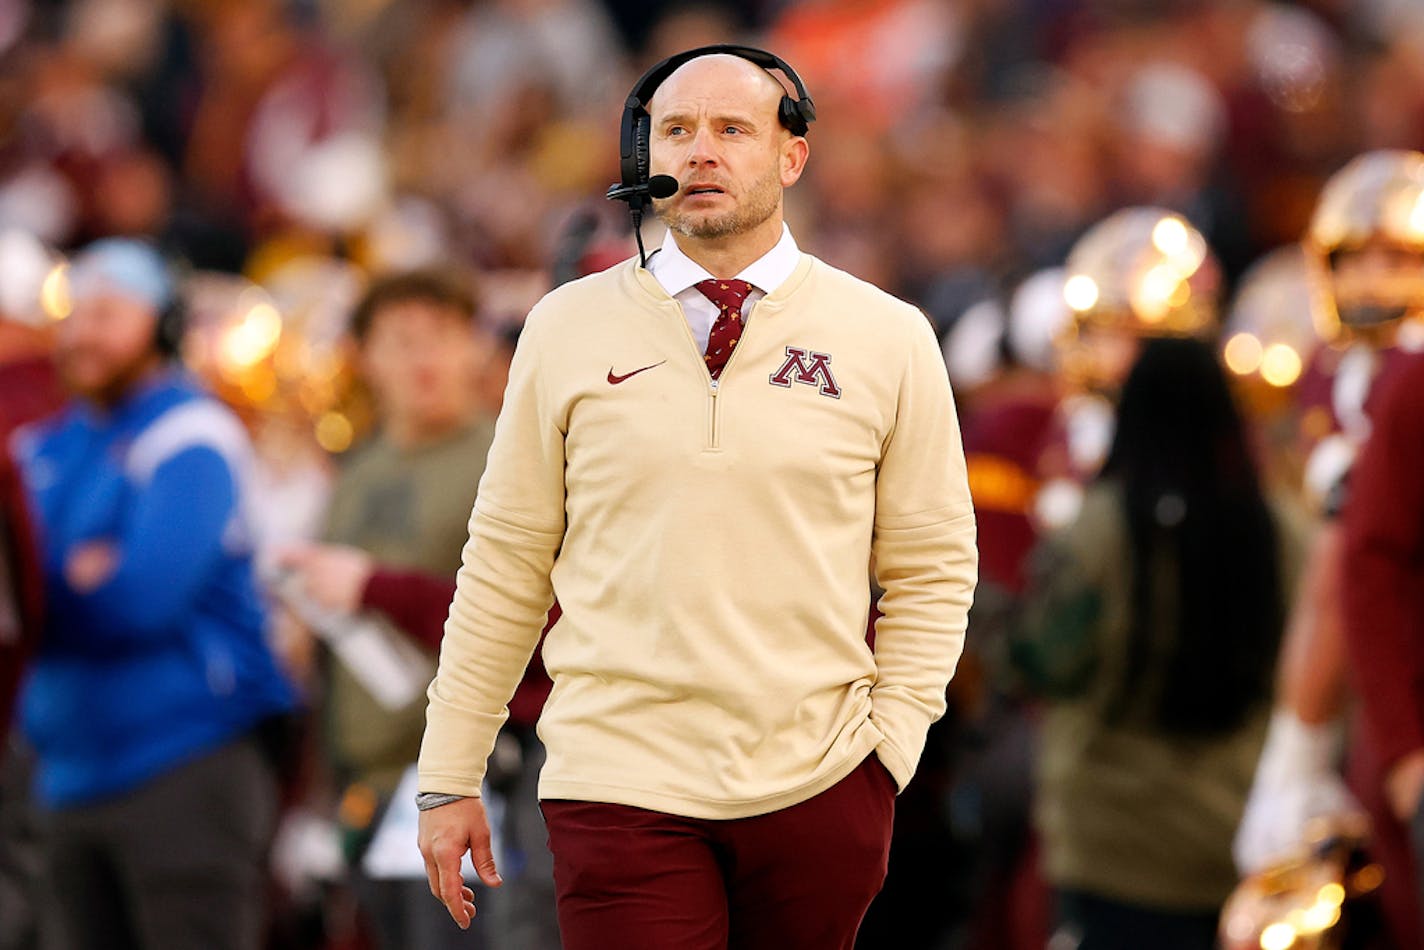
x=809, y=368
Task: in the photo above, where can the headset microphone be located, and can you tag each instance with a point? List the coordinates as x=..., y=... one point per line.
x=659, y=186
x=662, y=186
x=639, y=196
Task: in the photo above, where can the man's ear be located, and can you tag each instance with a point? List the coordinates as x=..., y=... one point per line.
x=794, y=152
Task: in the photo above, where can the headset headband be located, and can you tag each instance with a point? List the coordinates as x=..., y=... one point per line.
x=797, y=119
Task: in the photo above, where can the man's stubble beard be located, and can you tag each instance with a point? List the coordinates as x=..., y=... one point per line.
x=761, y=203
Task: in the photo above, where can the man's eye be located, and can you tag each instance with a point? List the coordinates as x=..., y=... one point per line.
x=676, y=130
x=733, y=130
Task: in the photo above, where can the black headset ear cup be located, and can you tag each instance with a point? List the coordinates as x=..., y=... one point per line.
x=169, y=331
x=791, y=117
x=806, y=111
x=797, y=114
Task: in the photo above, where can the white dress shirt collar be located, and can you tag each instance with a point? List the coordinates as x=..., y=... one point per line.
x=677, y=272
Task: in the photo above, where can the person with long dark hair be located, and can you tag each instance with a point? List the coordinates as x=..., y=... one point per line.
x=1152, y=629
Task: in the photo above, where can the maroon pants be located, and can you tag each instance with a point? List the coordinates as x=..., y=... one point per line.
x=796, y=879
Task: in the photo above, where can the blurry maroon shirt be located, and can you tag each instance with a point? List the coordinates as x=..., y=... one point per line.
x=29, y=390
x=1383, y=593
x=1384, y=567
x=418, y=603
x=1004, y=436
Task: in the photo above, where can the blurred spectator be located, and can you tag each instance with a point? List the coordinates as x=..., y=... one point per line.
x=951, y=241
x=849, y=205
x=1139, y=273
x=1364, y=254
x=1392, y=98
x=494, y=375
x=348, y=581
x=1171, y=125
x=224, y=123
x=508, y=46
x=1270, y=345
x=281, y=129
x=1152, y=629
x=29, y=390
x=1290, y=118
x=899, y=53
x=1383, y=590
x=963, y=860
x=403, y=497
x=153, y=691
x=1045, y=152
x=529, y=88
x=68, y=125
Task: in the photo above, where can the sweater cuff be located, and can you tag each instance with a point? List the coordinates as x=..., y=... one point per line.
x=456, y=746
x=900, y=770
x=905, y=730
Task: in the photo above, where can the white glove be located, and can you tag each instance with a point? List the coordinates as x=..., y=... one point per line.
x=1296, y=780
x=306, y=853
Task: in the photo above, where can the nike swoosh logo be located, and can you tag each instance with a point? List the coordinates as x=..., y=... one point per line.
x=615, y=380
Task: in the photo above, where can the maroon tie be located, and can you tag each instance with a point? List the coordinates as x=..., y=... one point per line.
x=728, y=295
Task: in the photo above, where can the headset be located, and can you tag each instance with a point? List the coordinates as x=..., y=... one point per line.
x=173, y=317
x=637, y=188
x=171, y=327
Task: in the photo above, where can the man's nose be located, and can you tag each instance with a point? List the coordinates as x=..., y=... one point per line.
x=703, y=150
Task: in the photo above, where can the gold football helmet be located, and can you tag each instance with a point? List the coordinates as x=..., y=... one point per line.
x=276, y=351
x=1268, y=341
x=1365, y=245
x=1141, y=272
x=1269, y=336
x=1303, y=902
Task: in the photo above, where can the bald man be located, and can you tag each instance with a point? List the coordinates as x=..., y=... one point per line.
x=700, y=458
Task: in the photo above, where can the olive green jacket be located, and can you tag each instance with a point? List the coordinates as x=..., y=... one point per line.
x=1126, y=812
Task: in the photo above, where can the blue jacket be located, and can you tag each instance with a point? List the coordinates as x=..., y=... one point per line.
x=167, y=659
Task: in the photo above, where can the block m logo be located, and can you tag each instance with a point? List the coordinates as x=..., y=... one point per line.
x=803, y=366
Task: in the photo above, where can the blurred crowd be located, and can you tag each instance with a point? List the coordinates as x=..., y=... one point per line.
x=357, y=201
x=962, y=144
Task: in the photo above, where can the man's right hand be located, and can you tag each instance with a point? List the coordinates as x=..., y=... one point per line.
x=446, y=833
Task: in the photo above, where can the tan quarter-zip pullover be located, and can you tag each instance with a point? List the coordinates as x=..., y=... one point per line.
x=709, y=545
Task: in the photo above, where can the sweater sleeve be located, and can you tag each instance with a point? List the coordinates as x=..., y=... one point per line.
x=924, y=557
x=167, y=553
x=503, y=591
x=1384, y=551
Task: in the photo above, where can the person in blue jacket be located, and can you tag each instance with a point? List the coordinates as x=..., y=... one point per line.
x=153, y=685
